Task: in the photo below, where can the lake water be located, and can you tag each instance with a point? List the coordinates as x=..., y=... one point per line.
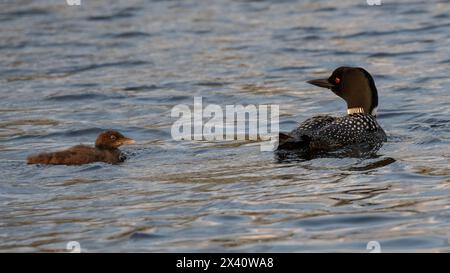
x=68, y=72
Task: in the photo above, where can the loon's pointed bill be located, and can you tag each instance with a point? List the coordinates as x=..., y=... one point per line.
x=322, y=83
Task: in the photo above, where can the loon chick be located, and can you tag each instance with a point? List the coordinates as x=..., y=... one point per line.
x=358, y=129
x=105, y=150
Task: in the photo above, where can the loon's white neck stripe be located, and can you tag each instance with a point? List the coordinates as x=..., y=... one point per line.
x=374, y=111
x=355, y=110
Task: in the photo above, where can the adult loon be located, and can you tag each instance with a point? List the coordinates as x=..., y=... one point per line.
x=358, y=129
x=105, y=150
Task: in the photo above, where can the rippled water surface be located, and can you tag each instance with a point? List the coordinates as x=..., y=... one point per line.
x=66, y=73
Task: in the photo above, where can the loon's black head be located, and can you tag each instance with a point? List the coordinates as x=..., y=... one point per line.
x=110, y=140
x=355, y=85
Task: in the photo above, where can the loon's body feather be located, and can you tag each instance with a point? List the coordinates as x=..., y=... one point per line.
x=326, y=133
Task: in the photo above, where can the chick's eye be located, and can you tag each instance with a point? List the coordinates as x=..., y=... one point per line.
x=113, y=137
x=337, y=80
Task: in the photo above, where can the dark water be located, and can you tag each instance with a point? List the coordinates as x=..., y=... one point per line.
x=67, y=73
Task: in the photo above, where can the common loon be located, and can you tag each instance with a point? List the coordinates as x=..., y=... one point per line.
x=105, y=150
x=358, y=129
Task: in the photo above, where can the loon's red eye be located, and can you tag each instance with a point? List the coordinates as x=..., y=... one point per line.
x=337, y=80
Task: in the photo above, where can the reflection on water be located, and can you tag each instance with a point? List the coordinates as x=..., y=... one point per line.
x=69, y=72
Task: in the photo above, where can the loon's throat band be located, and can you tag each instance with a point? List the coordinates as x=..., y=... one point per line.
x=355, y=110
